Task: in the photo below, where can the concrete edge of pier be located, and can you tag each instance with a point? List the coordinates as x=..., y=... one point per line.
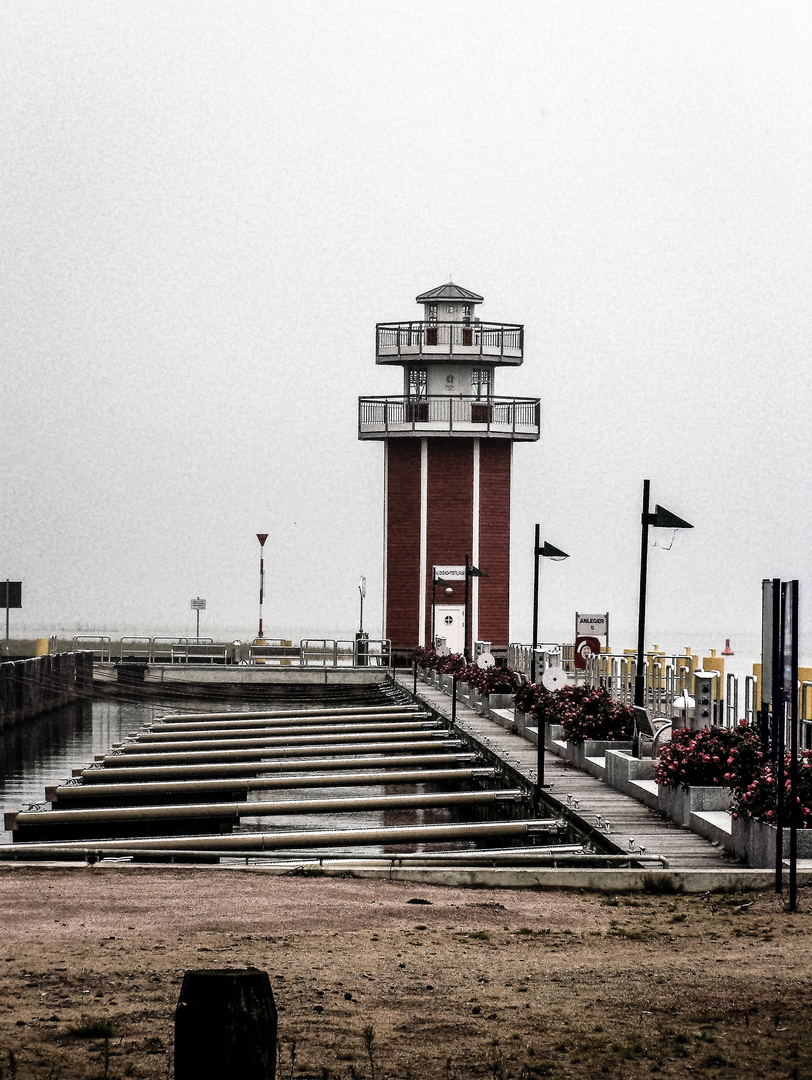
x=663, y=881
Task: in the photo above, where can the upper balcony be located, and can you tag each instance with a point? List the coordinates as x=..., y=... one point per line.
x=517, y=419
x=499, y=343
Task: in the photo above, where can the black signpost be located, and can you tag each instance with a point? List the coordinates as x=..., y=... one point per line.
x=779, y=696
x=11, y=596
x=789, y=618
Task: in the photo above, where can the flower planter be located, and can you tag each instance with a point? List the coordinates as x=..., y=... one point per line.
x=463, y=690
x=678, y=803
x=622, y=769
x=478, y=701
x=754, y=842
x=553, y=741
x=592, y=748
x=503, y=702
x=520, y=720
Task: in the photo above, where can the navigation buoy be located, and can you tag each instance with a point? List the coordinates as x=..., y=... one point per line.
x=727, y=651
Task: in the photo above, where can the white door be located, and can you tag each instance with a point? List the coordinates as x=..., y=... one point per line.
x=449, y=623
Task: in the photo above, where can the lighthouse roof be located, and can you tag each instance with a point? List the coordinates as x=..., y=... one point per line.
x=450, y=291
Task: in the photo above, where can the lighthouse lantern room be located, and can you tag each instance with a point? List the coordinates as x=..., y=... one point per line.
x=448, y=441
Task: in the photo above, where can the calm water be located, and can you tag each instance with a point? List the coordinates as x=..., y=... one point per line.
x=38, y=753
x=41, y=752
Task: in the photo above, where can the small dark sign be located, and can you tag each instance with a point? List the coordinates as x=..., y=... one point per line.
x=11, y=594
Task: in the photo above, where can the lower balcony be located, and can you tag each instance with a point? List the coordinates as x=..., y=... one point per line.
x=496, y=417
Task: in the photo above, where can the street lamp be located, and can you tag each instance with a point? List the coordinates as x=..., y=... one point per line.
x=262, y=537
x=545, y=551
x=470, y=571
x=660, y=519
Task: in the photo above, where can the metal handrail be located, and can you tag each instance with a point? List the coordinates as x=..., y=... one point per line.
x=198, y=651
x=504, y=341
x=100, y=646
x=450, y=412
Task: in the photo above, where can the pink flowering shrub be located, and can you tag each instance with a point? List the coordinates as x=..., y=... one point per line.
x=758, y=800
x=587, y=713
x=425, y=657
x=453, y=664
x=582, y=712
x=528, y=696
x=729, y=757
x=492, y=680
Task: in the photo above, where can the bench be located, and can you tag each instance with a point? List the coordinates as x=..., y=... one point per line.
x=649, y=732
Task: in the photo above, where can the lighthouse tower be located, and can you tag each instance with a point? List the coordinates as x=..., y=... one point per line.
x=448, y=442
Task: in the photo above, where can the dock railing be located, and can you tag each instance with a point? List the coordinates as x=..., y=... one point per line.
x=548, y=654
x=309, y=652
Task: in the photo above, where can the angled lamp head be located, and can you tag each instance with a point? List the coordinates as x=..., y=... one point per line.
x=664, y=519
x=549, y=551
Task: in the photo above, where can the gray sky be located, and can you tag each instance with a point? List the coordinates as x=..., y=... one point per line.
x=206, y=208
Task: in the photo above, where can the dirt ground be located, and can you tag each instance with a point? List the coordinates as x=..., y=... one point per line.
x=447, y=982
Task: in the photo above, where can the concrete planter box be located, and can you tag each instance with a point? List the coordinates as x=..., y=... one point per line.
x=553, y=736
x=447, y=683
x=463, y=690
x=622, y=769
x=520, y=720
x=678, y=803
x=591, y=748
x=754, y=842
x=500, y=701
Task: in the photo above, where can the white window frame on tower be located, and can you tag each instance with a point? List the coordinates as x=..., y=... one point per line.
x=431, y=314
x=481, y=382
x=418, y=382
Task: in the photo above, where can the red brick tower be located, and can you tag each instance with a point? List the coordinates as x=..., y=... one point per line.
x=448, y=446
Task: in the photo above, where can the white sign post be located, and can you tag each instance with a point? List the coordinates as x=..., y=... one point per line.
x=198, y=605
x=592, y=626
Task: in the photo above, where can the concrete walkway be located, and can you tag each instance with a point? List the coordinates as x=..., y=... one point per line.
x=588, y=802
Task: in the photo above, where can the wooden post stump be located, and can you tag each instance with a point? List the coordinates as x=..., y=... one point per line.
x=225, y=1026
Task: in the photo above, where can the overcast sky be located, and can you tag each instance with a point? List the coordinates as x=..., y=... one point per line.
x=206, y=207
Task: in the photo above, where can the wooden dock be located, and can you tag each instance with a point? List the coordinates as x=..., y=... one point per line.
x=607, y=816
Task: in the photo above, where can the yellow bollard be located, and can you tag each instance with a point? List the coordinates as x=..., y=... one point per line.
x=42, y=646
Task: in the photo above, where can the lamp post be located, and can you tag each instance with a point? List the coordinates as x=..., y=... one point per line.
x=545, y=551
x=470, y=571
x=449, y=591
x=660, y=519
x=262, y=537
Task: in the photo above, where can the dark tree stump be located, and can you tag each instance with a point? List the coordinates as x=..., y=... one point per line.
x=225, y=1026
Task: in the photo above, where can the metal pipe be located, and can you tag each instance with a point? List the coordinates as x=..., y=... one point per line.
x=240, y=842
x=151, y=735
x=316, y=723
x=291, y=714
x=205, y=756
x=39, y=818
x=640, y=677
x=251, y=741
x=536, y=550
x=157, y=772
x=180, y=788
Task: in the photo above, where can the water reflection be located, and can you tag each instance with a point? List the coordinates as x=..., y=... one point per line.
x=43, y=752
